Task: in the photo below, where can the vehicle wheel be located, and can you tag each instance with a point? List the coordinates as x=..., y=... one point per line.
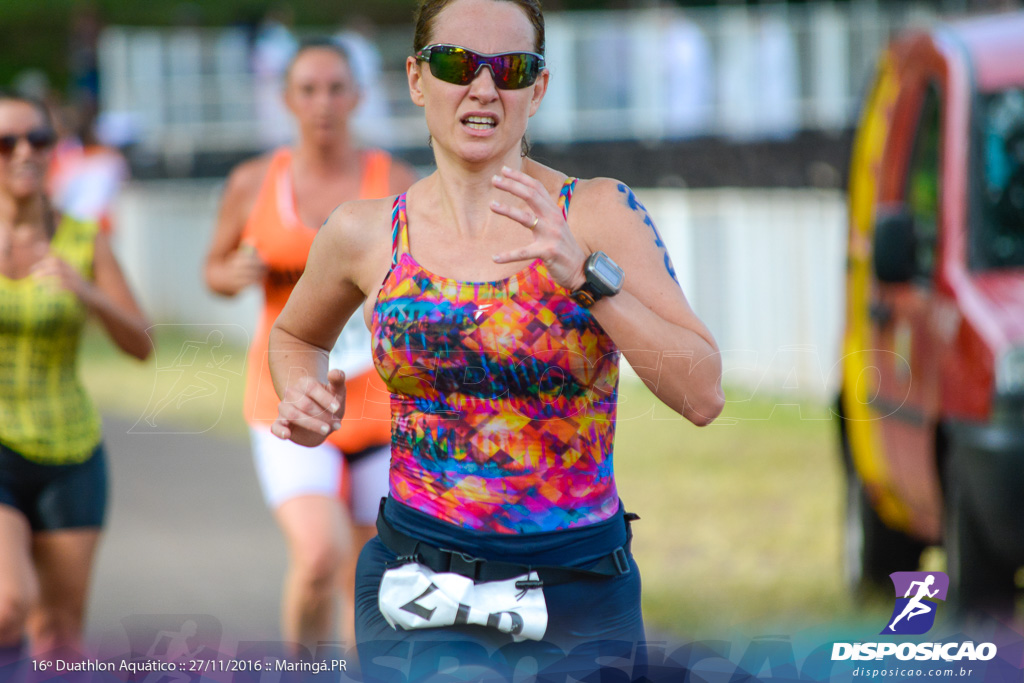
x=872, y=550
x=979, y=581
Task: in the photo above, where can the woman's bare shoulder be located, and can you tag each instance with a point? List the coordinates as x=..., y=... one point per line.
x=360, y=221
x=550, y=178
x=247, y=176
x=599, y=196
x=605, y=210
x=592, y=197
x=600, y=189
x=358, y=234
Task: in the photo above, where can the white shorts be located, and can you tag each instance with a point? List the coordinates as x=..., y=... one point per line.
x=287, y=470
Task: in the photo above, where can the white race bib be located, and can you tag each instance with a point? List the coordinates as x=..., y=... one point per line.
x=413, y=596
x=352, y=351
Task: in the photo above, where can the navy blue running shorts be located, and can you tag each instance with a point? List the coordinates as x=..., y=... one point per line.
x=589, y=620
x=55, y=497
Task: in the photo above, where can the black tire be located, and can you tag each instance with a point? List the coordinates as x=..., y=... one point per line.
x=871, y=550
x=980, y=582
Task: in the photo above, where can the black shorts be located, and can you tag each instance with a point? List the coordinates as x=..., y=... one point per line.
x=55, y=497
x=588, y=619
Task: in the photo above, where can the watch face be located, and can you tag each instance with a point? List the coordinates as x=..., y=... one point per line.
x=608, y=274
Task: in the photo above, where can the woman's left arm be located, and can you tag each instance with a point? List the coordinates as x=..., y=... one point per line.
x=650, y=320
x=107, y=295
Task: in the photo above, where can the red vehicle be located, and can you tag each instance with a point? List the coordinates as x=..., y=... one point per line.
x=933, y=370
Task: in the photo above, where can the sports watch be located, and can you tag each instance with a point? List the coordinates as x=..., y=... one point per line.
x=603, y=278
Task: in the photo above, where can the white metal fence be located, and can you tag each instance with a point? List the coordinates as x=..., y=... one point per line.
x=763, y=268
x=640, y=74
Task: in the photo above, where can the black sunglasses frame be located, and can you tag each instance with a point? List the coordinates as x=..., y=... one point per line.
x=37, y=138
x=478, y=60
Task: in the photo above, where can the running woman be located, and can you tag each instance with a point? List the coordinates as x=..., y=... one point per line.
x=271, y=210
x=55, y=271
x=500, y=294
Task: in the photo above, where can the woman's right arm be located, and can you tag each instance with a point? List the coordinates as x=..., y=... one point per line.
x=230, y=265
x=324, y=298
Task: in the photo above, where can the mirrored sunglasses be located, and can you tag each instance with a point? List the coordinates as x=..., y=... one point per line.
x=458, y=65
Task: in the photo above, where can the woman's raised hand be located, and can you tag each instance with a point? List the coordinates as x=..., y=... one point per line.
x=244, y=267
x=553, y=241
x=59, y=274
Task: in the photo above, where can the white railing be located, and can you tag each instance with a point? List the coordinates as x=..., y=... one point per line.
x=641, y=74
x=763, y=268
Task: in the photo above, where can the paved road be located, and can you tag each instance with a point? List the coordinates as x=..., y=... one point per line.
x=187, y=534
x=190, y=550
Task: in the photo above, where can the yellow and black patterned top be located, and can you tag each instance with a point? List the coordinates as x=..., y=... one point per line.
x=45, y=414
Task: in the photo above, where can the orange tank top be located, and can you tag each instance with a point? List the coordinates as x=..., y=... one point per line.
x=283, y=242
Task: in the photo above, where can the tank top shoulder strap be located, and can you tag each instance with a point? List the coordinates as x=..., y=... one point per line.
x=376, y=179
x=280, y=162
x=399, y=229
x=565, y=196
x=75, y=232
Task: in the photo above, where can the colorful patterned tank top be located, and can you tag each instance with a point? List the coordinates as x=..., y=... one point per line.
x=503, y=396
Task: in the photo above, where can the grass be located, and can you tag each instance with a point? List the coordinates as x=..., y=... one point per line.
x=741, y=520
x=207, y=385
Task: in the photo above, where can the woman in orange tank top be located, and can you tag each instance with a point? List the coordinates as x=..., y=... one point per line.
x=269, y=218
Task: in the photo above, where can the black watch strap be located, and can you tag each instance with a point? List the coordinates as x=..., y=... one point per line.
x=601, y=277
x=586, y=296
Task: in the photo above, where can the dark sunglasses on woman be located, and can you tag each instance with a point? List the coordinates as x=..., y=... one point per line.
x=454, y=64
x=38, y=139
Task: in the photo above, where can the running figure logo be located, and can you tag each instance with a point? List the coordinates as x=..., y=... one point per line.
x=199, y=377
x=914, y=612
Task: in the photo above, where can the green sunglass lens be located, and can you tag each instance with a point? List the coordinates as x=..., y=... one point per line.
x=452, y=66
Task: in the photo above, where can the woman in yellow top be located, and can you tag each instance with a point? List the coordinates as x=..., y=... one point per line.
x=54, y=271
